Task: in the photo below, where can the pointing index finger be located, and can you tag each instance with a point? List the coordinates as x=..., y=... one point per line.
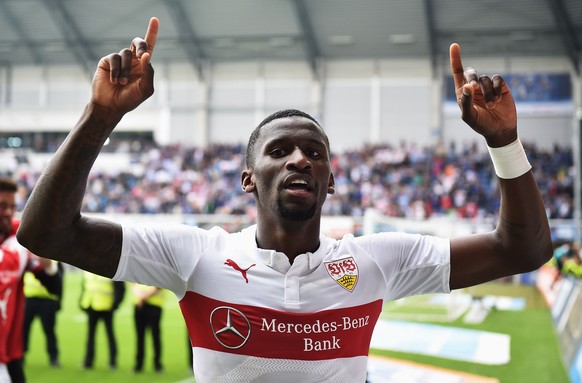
x=457, y=65
x=152, y=34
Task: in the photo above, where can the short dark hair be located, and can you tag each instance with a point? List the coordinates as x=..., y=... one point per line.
x=8, y=185
x=250, y=155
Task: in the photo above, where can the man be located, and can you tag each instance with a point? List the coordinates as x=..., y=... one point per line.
x=100, y=298
x=147, y=315
x=44, y=305
x=15, y=260
x=278, y=301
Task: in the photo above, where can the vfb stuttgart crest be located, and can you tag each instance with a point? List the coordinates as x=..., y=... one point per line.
x=344, y=272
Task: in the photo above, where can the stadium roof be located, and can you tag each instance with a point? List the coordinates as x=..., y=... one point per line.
x=58, y=32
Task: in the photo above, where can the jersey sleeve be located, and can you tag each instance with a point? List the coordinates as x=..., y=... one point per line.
x=412, y=264
x=162, y=255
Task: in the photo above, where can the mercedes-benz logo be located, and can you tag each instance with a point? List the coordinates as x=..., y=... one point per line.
x=230, y=327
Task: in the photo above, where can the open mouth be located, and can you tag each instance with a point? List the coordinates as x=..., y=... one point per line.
x=299, y=185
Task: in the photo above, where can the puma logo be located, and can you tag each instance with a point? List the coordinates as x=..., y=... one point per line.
x=234, y=265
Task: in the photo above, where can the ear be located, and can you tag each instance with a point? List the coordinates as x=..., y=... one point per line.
x=331, y=184
x=247, y=181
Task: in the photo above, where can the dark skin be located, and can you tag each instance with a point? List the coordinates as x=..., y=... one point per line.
x=290, y=178
x=521, y=241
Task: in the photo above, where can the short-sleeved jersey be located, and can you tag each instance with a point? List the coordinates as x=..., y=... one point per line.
x=14, y=261
x=252, y=316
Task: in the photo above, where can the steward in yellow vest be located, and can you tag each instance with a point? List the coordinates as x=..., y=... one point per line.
x=33, y=288
x=149, y=302
x=100, y=293
x=44, y=305
x=100, y=297
x=572, y=266
x=148, y=294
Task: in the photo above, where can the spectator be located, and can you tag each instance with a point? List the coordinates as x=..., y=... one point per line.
x=407, y=181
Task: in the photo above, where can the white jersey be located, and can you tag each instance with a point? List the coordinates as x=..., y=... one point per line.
x=254, y=317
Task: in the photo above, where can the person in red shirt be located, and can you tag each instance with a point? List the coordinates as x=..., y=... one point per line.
x=14, y=261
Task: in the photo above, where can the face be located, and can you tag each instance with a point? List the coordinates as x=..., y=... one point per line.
x=291, y=175
x=7, y=208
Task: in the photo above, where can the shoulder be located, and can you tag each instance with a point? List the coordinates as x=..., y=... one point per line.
x=402, y=244
x=167, y=232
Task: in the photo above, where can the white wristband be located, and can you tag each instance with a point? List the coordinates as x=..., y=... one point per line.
x=510, y=161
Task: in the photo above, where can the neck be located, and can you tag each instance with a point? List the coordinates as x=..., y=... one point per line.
x=291, y=239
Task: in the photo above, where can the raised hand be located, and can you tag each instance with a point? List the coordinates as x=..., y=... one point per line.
x=486, y=102
x=124, y=80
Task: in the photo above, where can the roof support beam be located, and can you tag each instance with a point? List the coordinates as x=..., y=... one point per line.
x=567, y=32
x=309, y=36
x=192, y=47
x=432, y=35
x=26, y=41
x=6, y=93
x=72, y=35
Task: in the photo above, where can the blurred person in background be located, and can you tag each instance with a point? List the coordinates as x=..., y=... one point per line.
x=560, y=254
x=15, y=260
x=571, y=261
x=100, y=297
x=42, y=304
x=148, y=306
x=280, y=301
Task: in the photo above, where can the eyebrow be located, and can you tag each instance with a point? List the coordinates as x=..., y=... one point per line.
x=288, y=140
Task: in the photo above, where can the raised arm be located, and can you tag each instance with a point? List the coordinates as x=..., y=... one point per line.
x=52, y=225
x=521, y=241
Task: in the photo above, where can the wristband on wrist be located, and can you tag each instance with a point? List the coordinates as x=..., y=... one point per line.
x=509, y=161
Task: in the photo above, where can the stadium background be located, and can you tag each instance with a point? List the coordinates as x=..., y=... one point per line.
x=372, y=71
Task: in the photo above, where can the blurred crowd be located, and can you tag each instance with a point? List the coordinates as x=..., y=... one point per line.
x=399, y=181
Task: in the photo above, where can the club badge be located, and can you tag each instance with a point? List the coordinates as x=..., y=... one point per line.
x=344, y=272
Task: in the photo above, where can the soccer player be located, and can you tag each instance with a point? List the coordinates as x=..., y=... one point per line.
x=279, y=301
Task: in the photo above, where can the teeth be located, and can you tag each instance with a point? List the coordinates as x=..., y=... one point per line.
x=300, y=182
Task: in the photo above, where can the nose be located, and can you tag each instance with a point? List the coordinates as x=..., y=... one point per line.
x=298, y=160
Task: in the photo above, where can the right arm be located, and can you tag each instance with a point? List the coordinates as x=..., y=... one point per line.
x=52, y=225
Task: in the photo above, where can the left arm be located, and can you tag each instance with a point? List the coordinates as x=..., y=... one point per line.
x=521, y=242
